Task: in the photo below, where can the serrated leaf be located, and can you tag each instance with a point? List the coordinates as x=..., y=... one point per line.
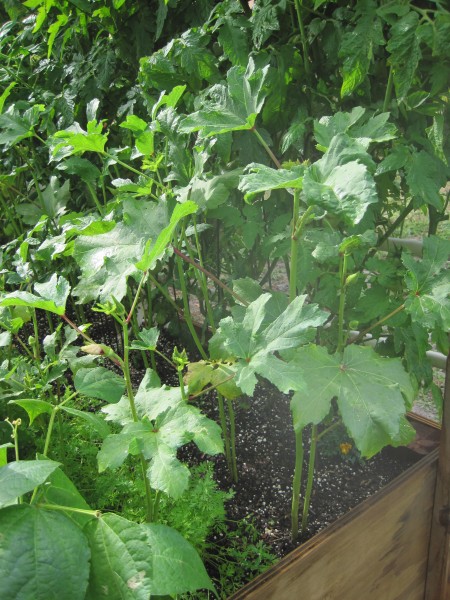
x=404, y=47
x=77, y=141
x=19, y=477
x=147, y=339
x=260, y=178
x=167, y=473
x=358, y=46
x=373, y=394
x=47, y=555
x=426, y=175
x=33, y=407
x=99, y=383
x=52, y=296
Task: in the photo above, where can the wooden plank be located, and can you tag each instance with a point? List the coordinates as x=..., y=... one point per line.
x=378, y=551
x=438, y=579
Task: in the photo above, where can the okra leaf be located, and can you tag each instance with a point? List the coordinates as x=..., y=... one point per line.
x=429, y=288
x=154, y=252
x=340, y=181
x=51, y=296
x=167, y=473
x=426, y=175
x=373, y=394
x=358, y=124
x=77, y=141
x=48, y=555
x=147, y=339
x=15, y=127
x=260, y=178
x=251, y=343
x=108, y=259
x=19, y=477
x=99, y=383
x=202, y=374
x=238, y=106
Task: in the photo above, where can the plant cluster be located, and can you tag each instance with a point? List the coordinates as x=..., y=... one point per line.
x=155, y=154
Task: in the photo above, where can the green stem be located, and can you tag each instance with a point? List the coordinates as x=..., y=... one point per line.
x=209, y=311
x=223, y=425
x=181, y=382
x=187, y=311
x=165, y=293
x=297, y=483
x=130, y=393
x=49, y=430
x=304, y=40
x=36, y=349
x=95, y=198
x=81, y=511
x=361, y=335
x=267, y=148
x=234, y=471
x=389, y=87
x=309, y=483
x=210, y=275
x=342, y=295
x=294, y=249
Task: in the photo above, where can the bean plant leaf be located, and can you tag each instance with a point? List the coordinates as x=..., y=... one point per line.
x=50, y=296
x=61, y=491
x=252, y=342
x=19, y=477
x=260, y=178
x=133, y=561
x=33, y=407
x=373, y=394
x=340, y=181
x=94, y=421
x=235, y=107
x=428, y=301
x=177, y=567
x=48, y=555
x=99, y=383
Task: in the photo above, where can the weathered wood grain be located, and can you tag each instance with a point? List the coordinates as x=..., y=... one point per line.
x=378, y=551
x=438, y=579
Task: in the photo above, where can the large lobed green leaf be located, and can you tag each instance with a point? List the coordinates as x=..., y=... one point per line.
x=373, y=394
x=51, y=295
x=267, y=327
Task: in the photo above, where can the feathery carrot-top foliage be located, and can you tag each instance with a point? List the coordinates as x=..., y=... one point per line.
x=156, y=151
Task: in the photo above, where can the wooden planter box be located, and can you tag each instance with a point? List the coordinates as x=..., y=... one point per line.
x=393, y=546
